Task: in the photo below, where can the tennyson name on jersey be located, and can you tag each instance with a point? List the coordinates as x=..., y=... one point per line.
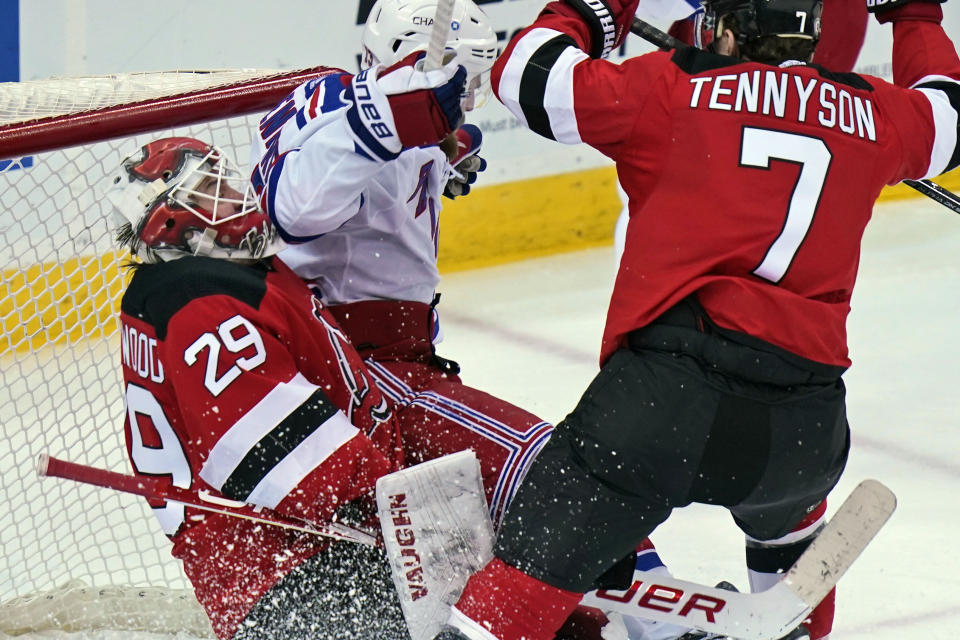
x=140, y=353
x=770, y=92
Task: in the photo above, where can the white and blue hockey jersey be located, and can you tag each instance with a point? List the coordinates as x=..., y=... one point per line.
x=360, y=228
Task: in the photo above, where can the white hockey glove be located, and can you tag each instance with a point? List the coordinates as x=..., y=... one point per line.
x=467, y=163
x=402, y=106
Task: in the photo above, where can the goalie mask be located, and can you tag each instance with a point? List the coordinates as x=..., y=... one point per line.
x=180, y=196
x=761, y=18
x=396, y=28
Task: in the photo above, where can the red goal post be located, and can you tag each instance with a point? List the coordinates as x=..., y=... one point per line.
x=41, y=116
x=76, y=557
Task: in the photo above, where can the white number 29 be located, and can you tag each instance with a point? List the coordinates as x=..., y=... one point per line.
x=758, y=148
x=248, y=336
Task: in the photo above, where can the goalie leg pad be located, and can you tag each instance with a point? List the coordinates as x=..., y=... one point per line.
x=437, y=532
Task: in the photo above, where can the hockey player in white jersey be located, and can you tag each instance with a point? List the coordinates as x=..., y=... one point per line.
x=351, y=169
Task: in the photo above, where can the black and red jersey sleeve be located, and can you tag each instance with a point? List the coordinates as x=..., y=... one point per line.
x=548, y=82
x=925, y=60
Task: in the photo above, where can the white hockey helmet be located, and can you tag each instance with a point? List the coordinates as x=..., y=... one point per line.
x=180, y=196
x=395, y=28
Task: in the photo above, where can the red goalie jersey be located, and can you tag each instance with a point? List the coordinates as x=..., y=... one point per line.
x=787, y=162
x=237, y=381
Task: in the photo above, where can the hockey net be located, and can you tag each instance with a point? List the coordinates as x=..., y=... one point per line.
x=77, y=557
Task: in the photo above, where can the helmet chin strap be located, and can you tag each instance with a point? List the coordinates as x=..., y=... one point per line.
x=205, y=242
x=152, y=191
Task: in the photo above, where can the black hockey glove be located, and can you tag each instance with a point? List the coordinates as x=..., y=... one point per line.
x=609, y=21
x=891, y=10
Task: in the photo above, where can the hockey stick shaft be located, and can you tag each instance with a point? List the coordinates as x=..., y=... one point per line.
x=655, y=36
x=153, y=489
x=665, y=41
x=937, y=193
x=772, y=613
x=438, y=35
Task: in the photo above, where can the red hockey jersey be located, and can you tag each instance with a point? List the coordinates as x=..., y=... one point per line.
x=749, y=185
x=237, y=381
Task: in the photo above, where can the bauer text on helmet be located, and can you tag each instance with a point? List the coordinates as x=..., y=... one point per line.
x=180, y=196
x=395, y=28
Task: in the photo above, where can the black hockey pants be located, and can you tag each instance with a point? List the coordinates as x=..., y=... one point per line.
x=686, y=414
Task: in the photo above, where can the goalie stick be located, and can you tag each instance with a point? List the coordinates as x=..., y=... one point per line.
x=665, y=41
x=772, y=613
x=149, y=488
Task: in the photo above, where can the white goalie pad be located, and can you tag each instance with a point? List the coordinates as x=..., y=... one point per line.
x=437, y=532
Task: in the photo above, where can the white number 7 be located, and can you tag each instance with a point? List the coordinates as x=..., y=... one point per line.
x=758, y=148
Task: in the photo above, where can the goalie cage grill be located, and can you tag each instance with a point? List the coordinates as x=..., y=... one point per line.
x=76, y=557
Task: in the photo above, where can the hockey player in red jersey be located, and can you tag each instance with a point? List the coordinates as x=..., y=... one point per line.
x=237, y=381
x=751, y=175
x=844, y=26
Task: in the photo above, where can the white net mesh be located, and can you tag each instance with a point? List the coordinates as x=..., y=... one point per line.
x=60, y=382
x=56, y=96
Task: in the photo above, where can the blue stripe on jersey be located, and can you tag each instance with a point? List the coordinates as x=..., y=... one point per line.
x=363, y=135
x=333, y=93
x=648, y=560
x=360, y=151
x=329, y=100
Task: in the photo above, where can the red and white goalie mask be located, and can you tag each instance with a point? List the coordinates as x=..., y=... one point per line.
x=396, y=28
x=180, y=196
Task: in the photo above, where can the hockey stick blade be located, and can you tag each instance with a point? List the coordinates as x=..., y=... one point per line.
x=438, y=35
x=769, y=614
x=48, y=466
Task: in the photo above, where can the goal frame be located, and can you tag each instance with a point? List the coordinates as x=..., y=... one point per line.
x=57, y=275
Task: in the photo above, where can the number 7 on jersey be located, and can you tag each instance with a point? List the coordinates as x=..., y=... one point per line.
x=757, y=148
